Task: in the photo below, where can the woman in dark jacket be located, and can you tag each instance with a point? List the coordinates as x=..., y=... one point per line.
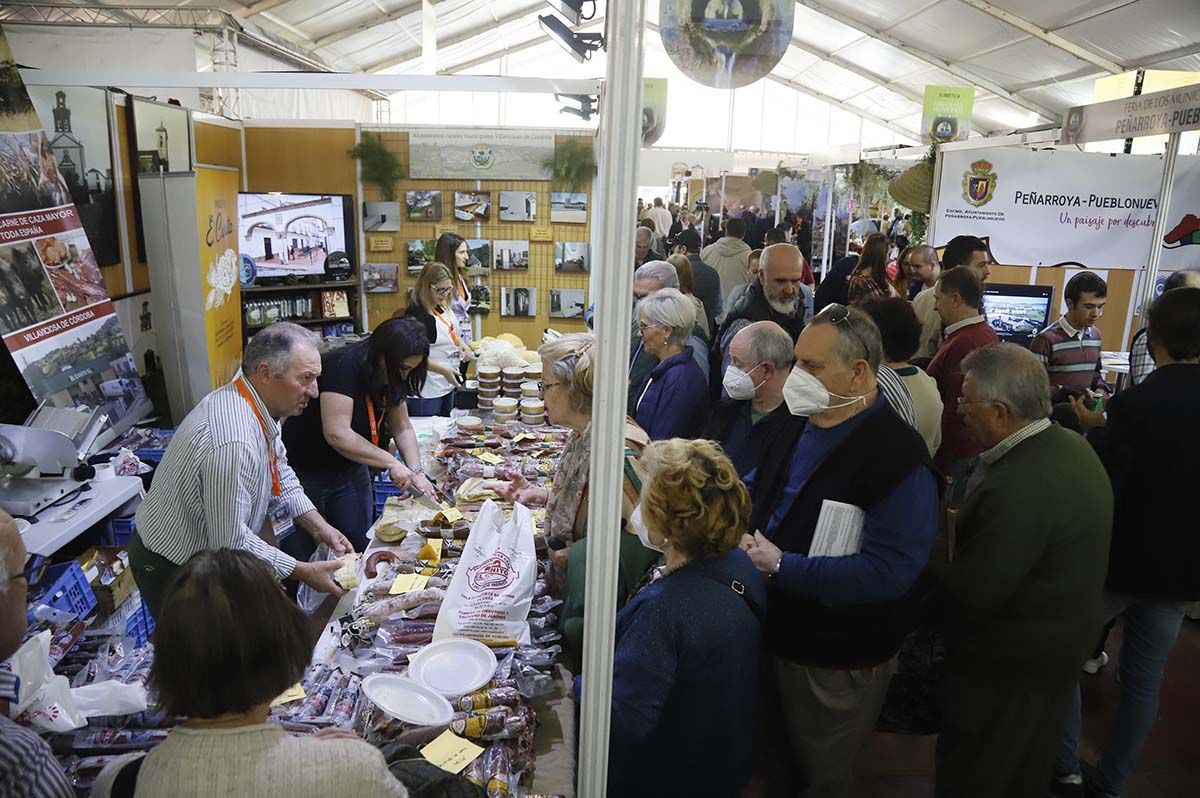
x=686, y=655
x=674, y=403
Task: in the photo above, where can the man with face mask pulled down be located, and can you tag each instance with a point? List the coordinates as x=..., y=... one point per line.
x=760, y=359
x=835, y=623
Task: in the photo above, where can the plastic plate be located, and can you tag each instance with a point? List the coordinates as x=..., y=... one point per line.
x=407, y=700
x=454, y=666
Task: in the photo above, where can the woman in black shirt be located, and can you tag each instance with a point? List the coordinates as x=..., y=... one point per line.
x=342, y=434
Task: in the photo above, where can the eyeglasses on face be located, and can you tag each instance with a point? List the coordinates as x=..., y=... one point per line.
x=443, y=291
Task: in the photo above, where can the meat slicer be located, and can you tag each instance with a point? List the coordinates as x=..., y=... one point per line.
x=43, y=460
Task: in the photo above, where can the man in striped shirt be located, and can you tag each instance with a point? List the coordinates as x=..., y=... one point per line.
x=224, y=481
x=1070, y=347
x=28, y=768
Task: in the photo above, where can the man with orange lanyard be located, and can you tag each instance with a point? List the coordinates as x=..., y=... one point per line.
x=224, y=481
x=335, y=443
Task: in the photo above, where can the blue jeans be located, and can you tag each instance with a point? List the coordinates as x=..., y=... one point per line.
x=441, y=406
x=1150, y=631
x=345, y=499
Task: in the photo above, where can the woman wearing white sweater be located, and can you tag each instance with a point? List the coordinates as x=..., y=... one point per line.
x=229, y=642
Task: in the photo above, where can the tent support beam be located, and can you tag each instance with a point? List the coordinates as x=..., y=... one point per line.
x=1049, y=37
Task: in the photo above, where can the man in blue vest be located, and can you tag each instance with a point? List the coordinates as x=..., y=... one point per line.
x=840, y=605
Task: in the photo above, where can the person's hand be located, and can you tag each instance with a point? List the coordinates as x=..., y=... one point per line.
x=452, y=376
x=520, y=490
x=420, y=483
x=764, y=554
x=335, y=540
x=1088, y=418
x=319, y=576
x=746, y=543
x=468, y=354
x=336, y=734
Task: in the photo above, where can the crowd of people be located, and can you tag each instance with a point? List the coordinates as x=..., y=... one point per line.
x=809, y=479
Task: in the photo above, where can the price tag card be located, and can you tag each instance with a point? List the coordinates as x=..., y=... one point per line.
x=380, y=243
x=491, y=459
x=541, y=232
x=451, y=752
x=407, y=583
x=431, y=551
x=524, y=436
x=293, y=693
x=451, y=514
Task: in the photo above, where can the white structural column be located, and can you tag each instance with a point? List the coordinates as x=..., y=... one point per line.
x=619, y=143
x=428, y=38
x=1160, y=222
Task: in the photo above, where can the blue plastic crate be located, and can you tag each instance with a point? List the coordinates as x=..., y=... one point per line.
x=140, y=625
x=68, y=589
x=154, y=456
x=122, y=530
x=383, y=490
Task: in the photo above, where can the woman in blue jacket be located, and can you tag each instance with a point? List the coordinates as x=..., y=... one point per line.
x=684, y=686
x=674, y=403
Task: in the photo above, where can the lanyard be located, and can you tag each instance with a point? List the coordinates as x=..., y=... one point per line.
x=272, y=454
x=371, y=418
x=462, y=288
x=453, y=334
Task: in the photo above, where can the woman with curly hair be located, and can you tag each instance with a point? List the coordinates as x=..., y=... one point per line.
x=686, y=654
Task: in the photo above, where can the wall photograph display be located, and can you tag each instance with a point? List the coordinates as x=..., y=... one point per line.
x=572, y=256
x=423, y=206
x=420, y=252
x=518, y=206
x=380, y=278
x=474, y=207
x=521, y=302
x=162, y=137
x=511, y=254
x=568, y=208
x=566, y=303
x=381, y=217
x=479, y=256
x=76, y=120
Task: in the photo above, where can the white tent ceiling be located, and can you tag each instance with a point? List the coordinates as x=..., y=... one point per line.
x=1029, y=59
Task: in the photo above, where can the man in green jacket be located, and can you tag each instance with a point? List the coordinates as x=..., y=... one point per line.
x=1024, y=589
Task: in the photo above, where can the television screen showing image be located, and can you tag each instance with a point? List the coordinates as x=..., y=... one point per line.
x=1017, y=312
x=291, y=234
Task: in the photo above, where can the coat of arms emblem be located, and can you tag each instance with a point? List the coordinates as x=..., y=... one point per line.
x=979, y=184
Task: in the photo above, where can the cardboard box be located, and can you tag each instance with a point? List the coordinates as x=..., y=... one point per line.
x=95, y=562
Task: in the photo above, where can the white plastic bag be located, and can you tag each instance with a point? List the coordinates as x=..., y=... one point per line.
x=308, y=598
x=45, y=697
x=489, y=596
x=109, y=698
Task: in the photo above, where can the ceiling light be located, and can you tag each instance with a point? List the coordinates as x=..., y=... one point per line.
x=571, y=10
x=579, y=45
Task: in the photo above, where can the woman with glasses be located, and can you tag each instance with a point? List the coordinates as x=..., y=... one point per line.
x=431, y=306
x=567, y=388
x=365, y=388
x=674, y=403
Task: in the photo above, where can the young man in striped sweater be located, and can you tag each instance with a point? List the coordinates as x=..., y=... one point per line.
x=1070, y=347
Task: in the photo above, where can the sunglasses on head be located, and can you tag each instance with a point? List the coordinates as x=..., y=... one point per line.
x=836, y=314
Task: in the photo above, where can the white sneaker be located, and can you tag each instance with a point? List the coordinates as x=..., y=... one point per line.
x=1094, y=665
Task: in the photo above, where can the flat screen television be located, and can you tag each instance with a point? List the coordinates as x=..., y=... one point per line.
x=1017, y=312
x=290, y=234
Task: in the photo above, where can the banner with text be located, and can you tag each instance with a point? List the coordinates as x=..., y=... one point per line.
x=216, y=219
x=946, y=115
x=462, y=153
x=1168, y=111
x=55, y=316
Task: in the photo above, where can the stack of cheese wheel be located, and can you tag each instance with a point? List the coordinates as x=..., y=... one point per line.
x=530, y=390
x=504, y=409
x=533, y=372
x=533, y=411
x=489, y=386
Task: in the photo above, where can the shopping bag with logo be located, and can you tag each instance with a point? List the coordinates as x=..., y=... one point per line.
x=492, y=588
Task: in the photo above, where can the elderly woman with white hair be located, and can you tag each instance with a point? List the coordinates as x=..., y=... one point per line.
x=674, y=403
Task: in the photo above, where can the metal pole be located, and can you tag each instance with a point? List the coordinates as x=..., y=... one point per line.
x=619, y=146
x=827, y=239
x=1160, y=221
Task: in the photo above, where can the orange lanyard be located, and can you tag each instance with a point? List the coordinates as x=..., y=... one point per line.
x=453, y=334
x=371, y=418
x=272, y=454
x=462, y=288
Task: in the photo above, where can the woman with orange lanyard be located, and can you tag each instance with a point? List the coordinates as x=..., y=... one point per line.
x=365, y=388
x=453, y=253
x=431, y=306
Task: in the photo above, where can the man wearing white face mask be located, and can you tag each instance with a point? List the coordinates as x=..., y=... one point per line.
x=835, y=623
x=760, y=359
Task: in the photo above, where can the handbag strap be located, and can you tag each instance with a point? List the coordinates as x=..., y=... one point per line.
x=740, y=589
x=125, y=783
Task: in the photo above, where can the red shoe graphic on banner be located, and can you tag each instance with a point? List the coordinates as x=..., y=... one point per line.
x=1187, y=232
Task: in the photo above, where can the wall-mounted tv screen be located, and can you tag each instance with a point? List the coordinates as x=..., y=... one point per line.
x=290, y=234
x=1017, y=312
